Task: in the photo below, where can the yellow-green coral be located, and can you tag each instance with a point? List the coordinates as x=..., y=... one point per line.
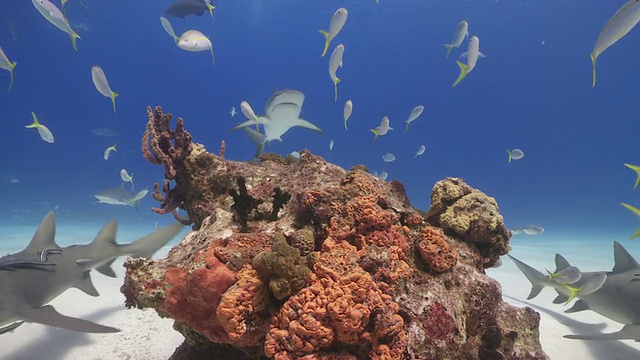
x=283, y=266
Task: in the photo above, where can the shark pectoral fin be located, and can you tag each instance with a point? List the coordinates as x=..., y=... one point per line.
x=106, y=269
x=628, y=332
x=87, y=286
x=247, y=123
x=47, y=315
x=561, y=298
x=580, y=305
x=307, y=125
x=10, y=327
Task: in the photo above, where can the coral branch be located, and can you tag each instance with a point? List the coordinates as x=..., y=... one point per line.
x=161, y=145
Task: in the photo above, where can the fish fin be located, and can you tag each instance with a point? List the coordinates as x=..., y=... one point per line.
x=12, y=66
x=86, y=286
x=213, y=58
x=628, y=332
x=635, y=211
x=561, y=263
x=536, y=278
x=106, y=270
x=74, y=36
x=10, y=327
x=481, y=55
x=463, y=73
x=623, y=260
x=261, y=120
x=561, y=298
x=335, y=88
x=593, y=61
x=580, y=305
x=114, y=95
x=509, y=152
x=147, y=245
x=573, y=292
x=632, y=167
x=326, y=43
x=307, y=125
x=376, y=133
x=448, y=46
x=47, y=315
x=44, y=237
x=463, y=55
x=107, y=234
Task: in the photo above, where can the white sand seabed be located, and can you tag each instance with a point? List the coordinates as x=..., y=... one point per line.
x=146, y=336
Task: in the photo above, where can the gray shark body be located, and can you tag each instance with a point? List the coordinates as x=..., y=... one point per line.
x=618, y=299
x=25, y=291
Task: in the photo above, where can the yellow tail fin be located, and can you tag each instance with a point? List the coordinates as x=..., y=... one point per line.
x=326, y=43
x=637, y=170
x=463, y=73
x=114, y=95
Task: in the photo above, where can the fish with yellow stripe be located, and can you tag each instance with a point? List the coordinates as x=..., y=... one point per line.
x=338, y=20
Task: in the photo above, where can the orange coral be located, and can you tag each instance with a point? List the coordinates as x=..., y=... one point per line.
x=243, y=310
x=332, y=312
x=435, y=250
x=195, y=293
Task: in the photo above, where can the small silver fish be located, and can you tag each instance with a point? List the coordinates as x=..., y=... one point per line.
x=420, y=151
x=388, y=157
x=515, y=154
x=348, y=109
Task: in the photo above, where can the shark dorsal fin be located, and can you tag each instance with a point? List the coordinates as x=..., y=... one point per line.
x=561, y=263
x=107, y=234
x=623, y=260
x=44, y=238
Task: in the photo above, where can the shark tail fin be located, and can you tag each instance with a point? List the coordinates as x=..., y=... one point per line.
x=536, y=278
x=147, y=245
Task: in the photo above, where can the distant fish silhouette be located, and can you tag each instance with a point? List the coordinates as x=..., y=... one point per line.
x=184, y=8
x=104, y=132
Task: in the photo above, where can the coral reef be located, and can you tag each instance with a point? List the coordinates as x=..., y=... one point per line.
x=470, y=215
x=161, y=145
x=324, y=263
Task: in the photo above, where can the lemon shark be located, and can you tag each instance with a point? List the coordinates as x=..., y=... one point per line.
x=618, y=299
x=30, y=285
x=282, y=112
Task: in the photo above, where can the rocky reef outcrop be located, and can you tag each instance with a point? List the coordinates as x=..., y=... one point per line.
x=301, y=259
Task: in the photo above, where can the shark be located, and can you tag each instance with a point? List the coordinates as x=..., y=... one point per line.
x=120, y=196
x=282, y=112
x=29, y=284
x=618, y=299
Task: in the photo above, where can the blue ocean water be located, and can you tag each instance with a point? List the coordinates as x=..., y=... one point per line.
x=532, y=91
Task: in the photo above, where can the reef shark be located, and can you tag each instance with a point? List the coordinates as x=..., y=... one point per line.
x=27, y=288
x=618, y=299
x=281, y=114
